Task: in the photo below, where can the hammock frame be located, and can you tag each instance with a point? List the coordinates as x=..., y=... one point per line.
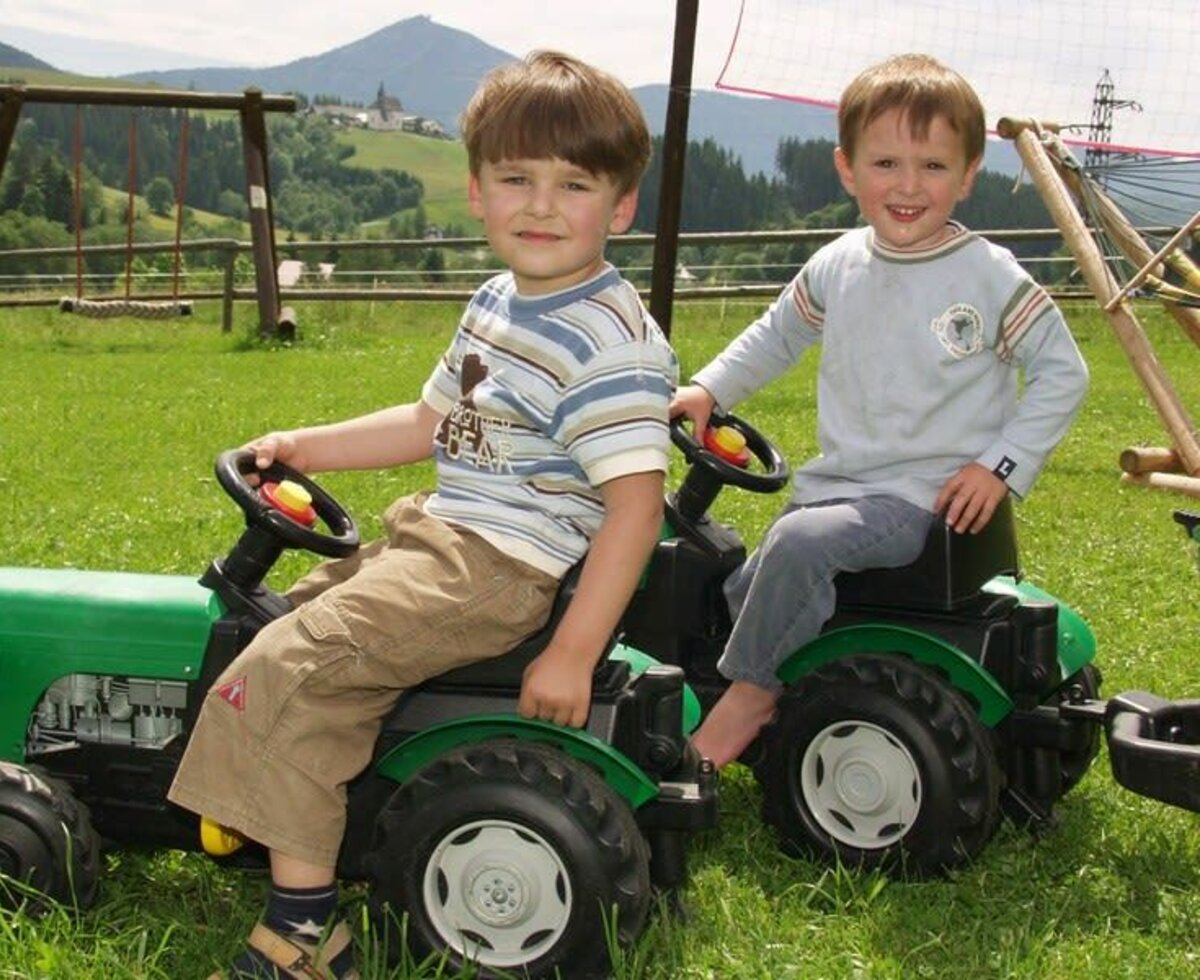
x=1066, y=190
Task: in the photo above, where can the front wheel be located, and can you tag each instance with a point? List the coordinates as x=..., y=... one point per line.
x=876, y=761
x=48, y=848
x=511, y=856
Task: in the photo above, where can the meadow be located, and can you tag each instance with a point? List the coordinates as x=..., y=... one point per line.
x=108, y=430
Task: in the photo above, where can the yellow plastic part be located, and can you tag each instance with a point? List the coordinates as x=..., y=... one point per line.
x=729, y=439
x=217, y=840
x=291, y=494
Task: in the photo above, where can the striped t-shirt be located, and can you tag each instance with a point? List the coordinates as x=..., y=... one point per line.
x=544, y=399
x=921, y=353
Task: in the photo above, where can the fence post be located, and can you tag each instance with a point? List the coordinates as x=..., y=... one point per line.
x=258, y=197
x=10, y=113
x=230, y=253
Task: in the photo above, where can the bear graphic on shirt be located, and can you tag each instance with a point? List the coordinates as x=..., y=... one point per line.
x=468, y=436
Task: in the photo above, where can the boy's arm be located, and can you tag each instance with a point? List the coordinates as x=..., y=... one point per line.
x=389, y=437
x=557, y=685
x=1056, y=380
x=763, y=351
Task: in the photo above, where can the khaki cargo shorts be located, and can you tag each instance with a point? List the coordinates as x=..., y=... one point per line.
x=296, y=715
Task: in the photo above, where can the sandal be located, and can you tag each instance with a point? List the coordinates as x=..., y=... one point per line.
x=298, y=960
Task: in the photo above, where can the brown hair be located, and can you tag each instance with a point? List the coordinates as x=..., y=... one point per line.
x=552, y=105
x=922, y=88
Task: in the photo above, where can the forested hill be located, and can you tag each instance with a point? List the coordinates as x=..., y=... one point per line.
x=313, y=191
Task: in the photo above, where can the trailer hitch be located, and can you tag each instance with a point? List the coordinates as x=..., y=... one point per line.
x=1153, y=743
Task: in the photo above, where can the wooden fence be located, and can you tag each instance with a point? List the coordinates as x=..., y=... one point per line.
x=222, y=281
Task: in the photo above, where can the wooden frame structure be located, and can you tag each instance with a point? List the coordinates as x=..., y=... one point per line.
x=1061, y=184
x=251, y=105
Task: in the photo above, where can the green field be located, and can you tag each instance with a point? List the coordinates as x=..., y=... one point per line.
x=441, y=165
x=108, y=432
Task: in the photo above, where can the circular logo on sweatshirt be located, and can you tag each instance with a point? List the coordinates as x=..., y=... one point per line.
x=960, y=330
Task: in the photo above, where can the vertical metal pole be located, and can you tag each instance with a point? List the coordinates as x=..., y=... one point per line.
x=674, y=149
x=258, y=196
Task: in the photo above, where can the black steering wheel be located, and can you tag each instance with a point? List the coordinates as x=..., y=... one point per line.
x=341, y=539
x=710, y=471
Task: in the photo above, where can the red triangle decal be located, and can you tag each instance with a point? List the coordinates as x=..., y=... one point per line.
x=235, y=693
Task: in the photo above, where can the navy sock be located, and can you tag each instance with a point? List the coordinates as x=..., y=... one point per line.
x=300, y=914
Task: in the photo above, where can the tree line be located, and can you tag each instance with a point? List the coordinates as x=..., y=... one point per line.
x=805, y=193
x=314, y=192
x=316, y=195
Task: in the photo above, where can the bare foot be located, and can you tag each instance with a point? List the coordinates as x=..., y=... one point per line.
x=734, y=722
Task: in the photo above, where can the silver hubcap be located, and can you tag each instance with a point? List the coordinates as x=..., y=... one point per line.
x=862, y=786
x=497, y=893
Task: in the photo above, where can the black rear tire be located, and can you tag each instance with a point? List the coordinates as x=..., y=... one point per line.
x=877, y=761
x=509, y=855
x=48, y=848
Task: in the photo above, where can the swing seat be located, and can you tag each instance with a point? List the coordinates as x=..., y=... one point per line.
x=142, y=309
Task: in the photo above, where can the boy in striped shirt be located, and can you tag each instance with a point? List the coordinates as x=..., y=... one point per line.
x=924, y=328
x=547, y=420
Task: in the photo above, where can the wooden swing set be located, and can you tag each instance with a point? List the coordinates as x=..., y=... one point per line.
x=128, y=305
x=1068, y=192
x=251, y=105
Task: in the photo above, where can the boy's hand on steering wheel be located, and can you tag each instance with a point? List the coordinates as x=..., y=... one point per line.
x=696, y=403
x=277, y=447
x=970, y=497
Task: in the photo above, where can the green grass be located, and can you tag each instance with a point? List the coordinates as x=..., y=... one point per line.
x=441, y=165
x=108, y=433
x=205, y=221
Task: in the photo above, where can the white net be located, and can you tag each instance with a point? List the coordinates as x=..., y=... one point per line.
x=1113, y=75
x=1024, y=58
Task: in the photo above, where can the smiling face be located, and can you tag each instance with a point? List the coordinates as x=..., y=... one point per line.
x=548, y=220
x=907, y=185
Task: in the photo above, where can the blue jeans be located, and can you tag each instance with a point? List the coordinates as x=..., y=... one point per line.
x=783, y=594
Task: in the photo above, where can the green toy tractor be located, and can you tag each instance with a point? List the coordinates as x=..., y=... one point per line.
x=496, y=838
x=940, y=697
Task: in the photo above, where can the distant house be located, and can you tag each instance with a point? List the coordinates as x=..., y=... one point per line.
x=341, y=115
x=385, y=114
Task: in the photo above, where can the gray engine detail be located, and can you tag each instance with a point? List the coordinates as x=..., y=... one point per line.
x=112, y=710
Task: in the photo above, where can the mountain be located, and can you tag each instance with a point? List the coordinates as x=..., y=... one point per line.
x=11, y=57
x=433, y=70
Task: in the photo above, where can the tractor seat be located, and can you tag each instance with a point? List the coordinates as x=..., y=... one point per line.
x=507, y=669
x=947, y=575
